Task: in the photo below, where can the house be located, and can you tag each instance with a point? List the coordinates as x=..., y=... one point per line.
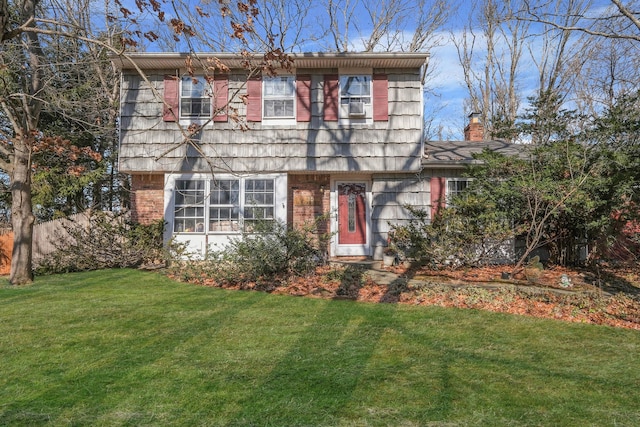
x=337, y=135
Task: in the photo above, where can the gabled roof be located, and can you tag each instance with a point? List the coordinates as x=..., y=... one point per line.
x=459, y=153
x=172, y=60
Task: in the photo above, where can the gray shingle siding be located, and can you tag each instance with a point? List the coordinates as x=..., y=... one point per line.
x=392, y=145
x=390, y=194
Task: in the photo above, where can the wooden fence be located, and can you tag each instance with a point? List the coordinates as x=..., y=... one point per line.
x=47, y=236
x=6, y=247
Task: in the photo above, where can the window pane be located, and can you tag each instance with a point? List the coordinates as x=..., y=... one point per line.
x=194, y=97
x=224, y=219
x=258, y=213
x=193, y=87
x=278, y=107
x=259, y=200
x=355, y=86
x=278, y=96
x=224, y=192
x=189, y=206
x=195, y=107
x=279, y=86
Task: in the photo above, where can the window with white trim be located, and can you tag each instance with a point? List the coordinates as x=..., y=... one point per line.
x=189, y=206
x=259, y=200
x=195, y=98
x=355, y=95
x=226, y=205
x=278, y=97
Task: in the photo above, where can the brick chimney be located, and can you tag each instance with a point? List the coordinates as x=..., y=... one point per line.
x=474, y=131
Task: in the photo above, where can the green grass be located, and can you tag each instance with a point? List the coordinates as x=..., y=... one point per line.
x=123, y=347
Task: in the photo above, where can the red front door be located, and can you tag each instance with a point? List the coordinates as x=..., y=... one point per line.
x=352, y=221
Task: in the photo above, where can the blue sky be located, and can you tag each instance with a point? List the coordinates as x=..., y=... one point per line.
x=447, y=94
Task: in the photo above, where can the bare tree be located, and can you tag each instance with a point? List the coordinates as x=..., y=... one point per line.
x=21, y=105
x=341, y=21
x=28, y=74
x=602, y=63
x=287, y=24
x=490, y=51
x=619, y=21
x=557, y=47
x=610, y=69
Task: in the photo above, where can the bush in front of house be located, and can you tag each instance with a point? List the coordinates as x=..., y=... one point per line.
x=269, y=251
x=468, y=232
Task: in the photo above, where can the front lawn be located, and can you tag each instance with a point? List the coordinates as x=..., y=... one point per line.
x=123, y=347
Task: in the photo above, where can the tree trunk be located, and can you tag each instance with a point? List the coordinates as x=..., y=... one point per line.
x=22, y=218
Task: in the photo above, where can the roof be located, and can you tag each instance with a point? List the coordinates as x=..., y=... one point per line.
x=458, y=153
x=172, y=60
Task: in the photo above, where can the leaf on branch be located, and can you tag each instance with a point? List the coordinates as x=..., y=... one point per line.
x=218, y=65
x=127, y=41
x=151, y=36
x=156, y=6
x=238, y=31
x=202, y=13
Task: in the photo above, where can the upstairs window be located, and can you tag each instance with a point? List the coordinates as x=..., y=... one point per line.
x=195, y=98
x=279, y=97
x=355, y=95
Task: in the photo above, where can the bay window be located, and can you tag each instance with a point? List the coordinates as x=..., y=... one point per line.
x=226, y=205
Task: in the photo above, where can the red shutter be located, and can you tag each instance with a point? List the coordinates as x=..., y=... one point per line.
x=438, y=186
x=221, y=97
x=254, y=99
x=171, y=107
x=380, y=97
x=303, y=94
x=331, y=98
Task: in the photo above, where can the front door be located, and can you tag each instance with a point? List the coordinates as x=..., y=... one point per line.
x=352, y=219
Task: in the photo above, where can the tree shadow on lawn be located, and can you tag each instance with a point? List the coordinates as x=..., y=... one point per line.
x=106, y=392
x=316, y=379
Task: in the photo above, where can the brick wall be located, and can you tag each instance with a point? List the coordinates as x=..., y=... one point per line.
x=309, y=197
x=147, y=198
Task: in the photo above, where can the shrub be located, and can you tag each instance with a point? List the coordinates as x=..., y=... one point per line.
x=270, y=250
x=467, y=233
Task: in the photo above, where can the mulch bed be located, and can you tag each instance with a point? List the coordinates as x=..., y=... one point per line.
x=609, y=296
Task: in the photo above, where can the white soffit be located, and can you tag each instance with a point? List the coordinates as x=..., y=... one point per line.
x=159, y=61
